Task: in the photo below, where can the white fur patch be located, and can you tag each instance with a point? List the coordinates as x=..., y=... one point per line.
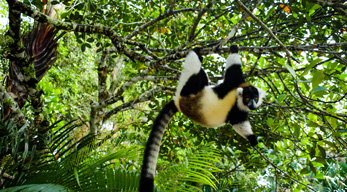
x=239, y=91
x=244, y=129
x=191, y=66
x=262, y=94
x=240, y=104
x=233, y=59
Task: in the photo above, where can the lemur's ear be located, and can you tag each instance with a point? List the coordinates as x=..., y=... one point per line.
x=261, y=92
x=239, y=91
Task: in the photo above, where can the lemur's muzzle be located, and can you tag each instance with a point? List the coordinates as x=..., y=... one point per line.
x=252, y=105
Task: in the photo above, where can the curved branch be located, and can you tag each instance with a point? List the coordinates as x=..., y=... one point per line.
x=337, y=6
x=192, y=33
x=159, y=18
x=7, y=101
x=144, y=97
x=117, y=41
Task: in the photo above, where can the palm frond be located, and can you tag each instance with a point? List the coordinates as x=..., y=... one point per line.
x=92, y=174
x=37, y=187
x=197, y=168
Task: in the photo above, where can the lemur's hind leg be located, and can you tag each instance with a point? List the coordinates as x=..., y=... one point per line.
x=195, y=84
x=233, y=75
x=193, y=78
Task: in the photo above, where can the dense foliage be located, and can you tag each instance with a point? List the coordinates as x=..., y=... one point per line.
x=82, y=87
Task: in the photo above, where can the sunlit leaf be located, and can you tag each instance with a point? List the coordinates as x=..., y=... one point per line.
x=317, y=78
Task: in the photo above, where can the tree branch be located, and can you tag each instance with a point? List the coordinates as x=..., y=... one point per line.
x=192, y=33
x=16, y=114
x=22, y=61
x=169, y=13
x=117, y=41
x=14, y=31
x=144, y=97
x=337, y=6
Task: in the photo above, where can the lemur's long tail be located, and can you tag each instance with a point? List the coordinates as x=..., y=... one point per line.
x=153, y=146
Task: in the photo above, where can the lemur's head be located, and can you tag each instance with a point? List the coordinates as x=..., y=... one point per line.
x=249, y=97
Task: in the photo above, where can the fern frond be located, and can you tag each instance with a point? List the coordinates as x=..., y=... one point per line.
x=198, y=168
x=37, y=187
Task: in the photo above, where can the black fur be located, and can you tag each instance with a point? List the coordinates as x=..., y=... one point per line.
x=252, y=139
x=233, y=78
x=197, y=51
x=234, y=49
x=146, y=184
x=195, y=84
x=236, y=116
x=250, y=92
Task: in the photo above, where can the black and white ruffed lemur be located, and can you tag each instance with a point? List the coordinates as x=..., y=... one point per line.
x=209, y=106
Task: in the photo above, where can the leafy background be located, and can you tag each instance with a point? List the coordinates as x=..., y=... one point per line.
x=301, y=126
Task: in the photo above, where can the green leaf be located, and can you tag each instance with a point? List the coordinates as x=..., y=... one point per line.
x=319, y=88
x=290, y=69
x=197, y=167
x=313, y=151
x=297, y=130
x=83, y=47
x=320, y=91
x=312, y=124
x=76, y=176
x=312, y=167
x=90, y=39
x=281, y=98
x=295, y=15
x=37, y=3
x=309, y=67
x=320, y=176
x=342, y=131
x=88, y=45
x=37, y=187
x=322, y=151
x=270, y=121
x=271, y=11
x=317, y=78
x=315, y=6
x=331, y=144
x=304, y=170
x=55, y=2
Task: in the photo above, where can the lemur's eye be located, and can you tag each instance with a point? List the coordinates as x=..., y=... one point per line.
x=247, y=99
x=256, y=99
